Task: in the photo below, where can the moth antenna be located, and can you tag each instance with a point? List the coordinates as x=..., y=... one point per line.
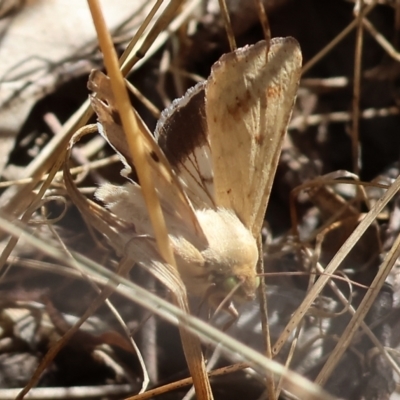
x=228, y=25
x=262, y=15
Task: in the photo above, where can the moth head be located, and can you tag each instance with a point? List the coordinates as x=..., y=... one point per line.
x=243, y=286
x=230, y=258
x=239, y=284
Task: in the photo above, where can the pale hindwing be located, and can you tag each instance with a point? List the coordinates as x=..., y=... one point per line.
x=182, y=135
x=249, y=100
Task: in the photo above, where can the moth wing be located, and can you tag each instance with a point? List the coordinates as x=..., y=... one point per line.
x=249, y=99
x=173, y=199
x=182, y=134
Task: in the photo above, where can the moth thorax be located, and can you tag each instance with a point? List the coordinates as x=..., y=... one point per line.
x=231, y=255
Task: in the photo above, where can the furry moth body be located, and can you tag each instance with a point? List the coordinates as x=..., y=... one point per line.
x=213, y=164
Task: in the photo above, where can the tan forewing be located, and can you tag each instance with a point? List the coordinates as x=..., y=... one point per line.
x=173, y=199
x=249, y=100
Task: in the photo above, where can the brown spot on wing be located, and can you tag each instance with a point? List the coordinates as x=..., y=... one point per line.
x=240, y=105
x=259, y=138
x=154, y=156
x=116, y=117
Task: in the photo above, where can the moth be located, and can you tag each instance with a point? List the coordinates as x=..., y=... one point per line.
x=213, y=161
